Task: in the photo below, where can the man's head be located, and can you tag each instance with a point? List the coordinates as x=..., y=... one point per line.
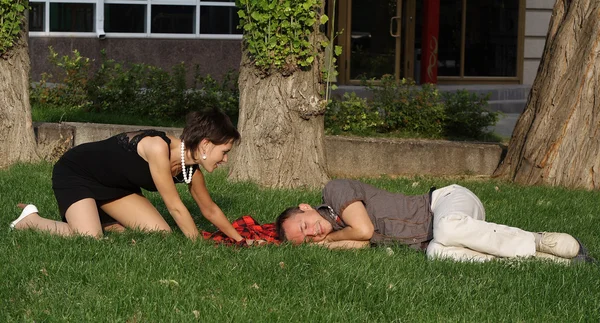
x=302, y=224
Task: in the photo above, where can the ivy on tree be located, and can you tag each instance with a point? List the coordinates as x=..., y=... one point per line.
x=11, y=22
x=277, y=33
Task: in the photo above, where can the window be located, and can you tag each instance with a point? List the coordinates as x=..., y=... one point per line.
x=36, y=16
x=449, y=38
x=219, y=20
x=78, y=17
x=137, y=18
x=124, y=18
x=490, y=36
x=173, y=19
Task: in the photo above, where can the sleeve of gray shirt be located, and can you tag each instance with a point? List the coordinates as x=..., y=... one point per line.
x=339, y=193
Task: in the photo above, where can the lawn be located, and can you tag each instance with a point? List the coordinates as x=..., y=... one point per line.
x=136, y=277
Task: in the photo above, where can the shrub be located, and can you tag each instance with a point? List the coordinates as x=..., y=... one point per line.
x=351, y=115
x=134, y=89
x=398, y=109
x=115, y=88
x=407, y=110
x=212, y=93
x=467, y=115
x=406, y=107
x=70, y=86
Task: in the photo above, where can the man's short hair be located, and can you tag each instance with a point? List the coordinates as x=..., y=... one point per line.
x=286, y=214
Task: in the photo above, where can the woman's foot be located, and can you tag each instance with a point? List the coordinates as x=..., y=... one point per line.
x=27, y=211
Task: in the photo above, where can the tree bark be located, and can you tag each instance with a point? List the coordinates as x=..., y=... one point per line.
x=556, y=140
x=281, y=124
x=17, y=140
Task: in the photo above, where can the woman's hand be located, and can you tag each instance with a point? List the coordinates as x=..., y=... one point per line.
x=210, y=209
x=258, y=242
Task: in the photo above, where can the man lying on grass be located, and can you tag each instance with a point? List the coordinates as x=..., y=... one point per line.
x=447, y=223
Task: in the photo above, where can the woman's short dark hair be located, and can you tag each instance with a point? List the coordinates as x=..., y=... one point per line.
x=288, y=213
x=213, y=125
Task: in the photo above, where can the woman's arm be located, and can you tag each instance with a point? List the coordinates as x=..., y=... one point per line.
x=209, y=208
x=156, y=153
x=358, y=224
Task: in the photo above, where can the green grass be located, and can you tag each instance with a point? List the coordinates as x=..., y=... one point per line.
x=136, y=277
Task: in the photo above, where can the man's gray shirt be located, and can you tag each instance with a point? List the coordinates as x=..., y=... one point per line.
x=396, y=217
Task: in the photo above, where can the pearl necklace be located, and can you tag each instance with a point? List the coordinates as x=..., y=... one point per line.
x=187, y=178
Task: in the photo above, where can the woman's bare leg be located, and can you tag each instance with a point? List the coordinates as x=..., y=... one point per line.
x=136, y=212
x=82, y=216
x=36, y=222
x=84, y=219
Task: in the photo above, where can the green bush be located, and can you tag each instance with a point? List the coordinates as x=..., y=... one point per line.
x=223, y=94
x=69, y=87
x=352, y=114
x=403, y=109
x=134, y=89
x=467, y=115
x=138, y=89
x=406, y=107
x=396, y=109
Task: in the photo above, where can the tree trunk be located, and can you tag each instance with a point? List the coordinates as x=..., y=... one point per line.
x=17, y=140
x=556, y=140
x=281, y=124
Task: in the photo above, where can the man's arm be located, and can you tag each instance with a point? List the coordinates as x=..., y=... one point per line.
x=345, y=244
x=358, y=225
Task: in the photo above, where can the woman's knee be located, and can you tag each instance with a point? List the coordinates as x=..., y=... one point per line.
x=83, y=219
x=89, y=232
x=136, y=212
x=85, y=228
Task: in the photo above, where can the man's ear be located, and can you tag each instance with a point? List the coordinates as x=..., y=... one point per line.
x=304, y=207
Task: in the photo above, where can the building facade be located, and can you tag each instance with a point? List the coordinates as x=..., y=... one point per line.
x=161, y=33
x=480, y=41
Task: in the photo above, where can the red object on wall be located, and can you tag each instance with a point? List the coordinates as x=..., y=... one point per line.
x=429, y=44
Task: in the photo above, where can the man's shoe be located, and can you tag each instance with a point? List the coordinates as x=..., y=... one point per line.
x=553, y=258
x=559, y=244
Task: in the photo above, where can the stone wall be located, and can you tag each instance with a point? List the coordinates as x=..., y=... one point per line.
x=346, y=156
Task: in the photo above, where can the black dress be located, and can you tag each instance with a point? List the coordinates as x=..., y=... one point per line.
x=105, y=171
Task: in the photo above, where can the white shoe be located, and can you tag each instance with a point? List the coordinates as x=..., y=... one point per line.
x=30, y=208
x=558, y=244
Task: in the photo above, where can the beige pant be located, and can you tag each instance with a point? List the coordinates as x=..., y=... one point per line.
x=461, y=233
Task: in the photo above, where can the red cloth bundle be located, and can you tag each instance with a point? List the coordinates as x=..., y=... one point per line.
x=249, y=229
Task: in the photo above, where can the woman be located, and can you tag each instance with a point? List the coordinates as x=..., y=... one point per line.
x=99, y=183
